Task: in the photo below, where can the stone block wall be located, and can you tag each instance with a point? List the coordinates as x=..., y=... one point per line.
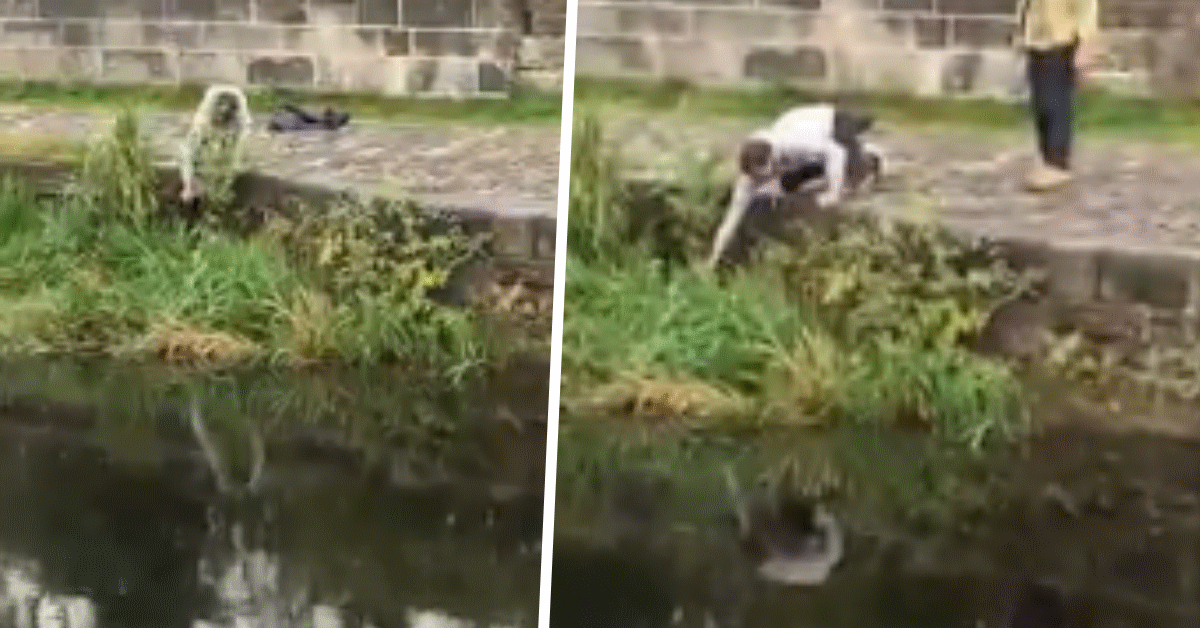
x=543, y=25
x=925, y=47
x=392, y=47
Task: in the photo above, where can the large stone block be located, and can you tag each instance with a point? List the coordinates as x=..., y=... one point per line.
x=195, y=9
x=397, y=42
x=1072, y=273
x=202, y=67
x=995, y=73
x=18, y=8
x=220, y=10
x=464, y=43
x=546, y=17
x=1146, y=14
x=652, y=19
x=931, y=32
x=281, y=11
x=127, y=9
x=353, y=74
x=750, y=24
x=811, y=5
x=635, y=19
x=494, y=78
x=802, y=63
x=977, y=7
x=1146, y=277
x=1174, y=64
x=982, y=32
x=10, y=64
x=119, y=33
x=281, y=71
x=55, y=63
x=437, y=13
x=593, y=19
x=135, y=9
x=243, y=36
x=333, y=11
x=69, y=8
x=612, y=55
x=334, y=39
x=380, y=12
x=79, y=33
x=541, y=52
x=78, y=63
x=707, y=61
x=395, y=75
x=1131, y=51
x=172, y=34
x=892, y=69
x=908, y=5
x=34, y=32
x=446, y=76
x=137, y=66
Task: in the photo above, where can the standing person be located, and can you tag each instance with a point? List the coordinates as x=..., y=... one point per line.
x=1059, y=40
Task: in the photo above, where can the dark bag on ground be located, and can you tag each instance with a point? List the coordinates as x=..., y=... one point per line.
x=290, y=118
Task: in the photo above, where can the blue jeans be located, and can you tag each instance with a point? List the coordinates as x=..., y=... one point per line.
x=1052, y=81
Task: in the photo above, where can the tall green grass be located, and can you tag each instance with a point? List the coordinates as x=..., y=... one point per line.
x=105, y=268
x=523, y=105
x=863, y=324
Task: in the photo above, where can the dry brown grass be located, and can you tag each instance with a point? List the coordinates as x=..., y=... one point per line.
x=177, y=342
x=311, y=325
x=42, y=146
x=658, y=397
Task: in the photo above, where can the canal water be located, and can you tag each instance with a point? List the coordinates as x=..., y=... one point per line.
x=142, y=497
x=1072, y=528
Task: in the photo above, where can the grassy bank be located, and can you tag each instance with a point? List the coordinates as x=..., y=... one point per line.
x=1097, y=111
x=106, y=268
x=869, y=324
x=523, y=106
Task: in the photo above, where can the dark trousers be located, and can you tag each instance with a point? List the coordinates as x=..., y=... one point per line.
x=1052, y=83
x=848, y=127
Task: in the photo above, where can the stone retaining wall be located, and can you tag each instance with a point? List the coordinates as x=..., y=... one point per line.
x=1133, y=299
x=926, y=47
x=392, y=47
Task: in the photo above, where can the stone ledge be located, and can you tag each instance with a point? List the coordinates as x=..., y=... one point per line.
x=1112, y=292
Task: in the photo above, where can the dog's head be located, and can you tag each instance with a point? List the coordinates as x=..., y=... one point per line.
x=225, y=110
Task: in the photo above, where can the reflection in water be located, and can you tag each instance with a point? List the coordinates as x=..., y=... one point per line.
x=1069, y=530
x=793, y=540
x=436, y=619
x=214, y=531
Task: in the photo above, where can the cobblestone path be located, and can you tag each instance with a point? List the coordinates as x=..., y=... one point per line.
x=1131, y=193
x=423, y=158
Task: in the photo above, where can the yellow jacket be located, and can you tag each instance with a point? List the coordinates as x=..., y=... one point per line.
x=1045, y=24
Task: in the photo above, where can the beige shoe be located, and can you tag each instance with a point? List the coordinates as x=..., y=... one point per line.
x=1046, y=178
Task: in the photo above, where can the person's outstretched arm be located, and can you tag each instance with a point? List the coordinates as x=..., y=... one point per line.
x=835, y=174
x=739, y=202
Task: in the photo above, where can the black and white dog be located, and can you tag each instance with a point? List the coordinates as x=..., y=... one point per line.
x=803, y=146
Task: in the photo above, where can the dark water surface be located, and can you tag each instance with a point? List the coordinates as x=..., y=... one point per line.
x=321, y=500
x=1072, y=529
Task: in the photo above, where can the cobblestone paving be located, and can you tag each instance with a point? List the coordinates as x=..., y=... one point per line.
x=1130, y=192
x=436, y=157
